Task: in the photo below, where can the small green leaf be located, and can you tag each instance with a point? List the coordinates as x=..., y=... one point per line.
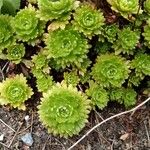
x=9, y=6
x=1, y=4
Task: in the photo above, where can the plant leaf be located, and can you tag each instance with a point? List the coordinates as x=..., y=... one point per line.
x=9, y=6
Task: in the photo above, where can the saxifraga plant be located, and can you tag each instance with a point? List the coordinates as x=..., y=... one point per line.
x=15, y=91
x=88, y=20
x=98, y=95
x=66, y=47
x=126, y=41
x=110, y=70
x=141, y=64
x=6, y=32
x=147, y=6
x=55, y=9
x=110, y=32
x=64, y=110
x=27, y=26
x=40, y=70
x=15, y=53
x=125, y=7
x=126, y=96
x=146, y=33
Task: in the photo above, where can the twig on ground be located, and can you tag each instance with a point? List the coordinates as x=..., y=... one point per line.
x=4, y=145
x=43, y=148
x=32, y=122
x=5, y=65
x=147, y=133
x=15, y=135
x=106, y=120
x=2, y=74
x=7, y=125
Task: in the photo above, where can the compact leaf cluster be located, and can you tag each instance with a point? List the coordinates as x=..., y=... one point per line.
x=79, y=60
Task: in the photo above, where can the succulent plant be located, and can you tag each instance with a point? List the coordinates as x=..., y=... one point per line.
x=55, y=9
x=6, y=32
x=88, y=20
x=27, y=26
x=141, y=64
x=110, y=70
x=64, y=110
x=110, y=32
x=66, y=47
x=134, y=80
x=126, y=96
x=99, y=96
x=146, y=33
x=44, y=83
x=102, y=47
x=71, y=78
x=129, y=97
x=15, y=91
x=116, y=94
x=126, y=42
x=15, y=53
x=40, y=61
x=125, y=7
x=147, y=6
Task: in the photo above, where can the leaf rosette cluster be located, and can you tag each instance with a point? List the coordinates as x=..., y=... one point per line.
x=88, y=20
x=64, y=110
x=125, y=7
x=55, y=9
x=6, y=32
x=141, y=64
x=110, y=70
x=110, y=32
x=66, y=47
x=147, y=6
x=126, y=96
x=27, y=26
x=15, y=91
x=146, y=33
x=41, y=71
x=126, y=41
x=15, y=53
x=99, y=96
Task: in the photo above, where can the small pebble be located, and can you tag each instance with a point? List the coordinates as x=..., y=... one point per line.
x=1, y=137
x=27, y=139
x=26, y=118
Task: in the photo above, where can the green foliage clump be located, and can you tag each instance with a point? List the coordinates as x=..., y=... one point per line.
x=66, y=47
x=110, y=70
x=141, y=64
x=55, y=9
x=9, y=6
x=64, y=110
x=125, y=7
x=44, y=82
x=71, y=78
x=40, y=61
x=126, y=96
x=99, y=96
x=27, y=26
x=41, y=71
x=6, y=32
x=88, y=20
x=110, y=32
x=15, y=53
x=126, y=41
x=146, y=33
x=15, y=91
x=147, y=6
